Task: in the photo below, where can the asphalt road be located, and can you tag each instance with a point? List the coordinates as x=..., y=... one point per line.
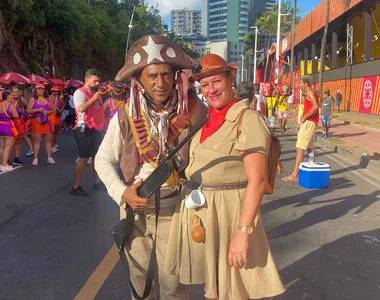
x=326, y=243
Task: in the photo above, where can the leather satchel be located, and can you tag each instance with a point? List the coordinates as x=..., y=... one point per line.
x=273, y=156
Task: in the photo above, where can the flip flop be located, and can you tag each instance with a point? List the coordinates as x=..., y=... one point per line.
x=289, y=179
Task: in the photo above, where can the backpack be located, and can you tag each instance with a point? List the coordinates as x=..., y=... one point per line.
x=273, y=156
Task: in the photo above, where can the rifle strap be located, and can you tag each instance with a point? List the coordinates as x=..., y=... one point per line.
x=152, y=261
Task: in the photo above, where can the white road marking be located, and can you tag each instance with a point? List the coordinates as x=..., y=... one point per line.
x=360, y=173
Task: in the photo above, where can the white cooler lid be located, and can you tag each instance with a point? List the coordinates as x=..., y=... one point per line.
x=317, y=166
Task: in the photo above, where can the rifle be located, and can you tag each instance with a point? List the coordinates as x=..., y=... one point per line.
x=151, y=184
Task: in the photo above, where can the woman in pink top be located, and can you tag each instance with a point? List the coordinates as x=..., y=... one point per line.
x=42, y=126
x=8, y=131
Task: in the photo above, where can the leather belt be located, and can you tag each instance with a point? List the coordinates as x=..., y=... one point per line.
x=171, y=195
x=228, y=186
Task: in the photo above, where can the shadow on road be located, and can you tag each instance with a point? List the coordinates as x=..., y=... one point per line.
x=347, y=268
x=340, y=207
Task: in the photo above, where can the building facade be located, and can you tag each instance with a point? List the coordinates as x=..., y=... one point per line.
x=186, y=22
x=225, y=23
x=352, y=58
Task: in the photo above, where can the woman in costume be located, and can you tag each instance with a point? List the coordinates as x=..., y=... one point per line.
x=28, y=96
x=17, y=101
x=42, y=126
x=222, y=243
x=8, y=130
x=118, y=97
x=59, y=106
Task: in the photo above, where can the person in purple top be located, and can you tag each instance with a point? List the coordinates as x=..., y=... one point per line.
x=117, y=91
x=8, y=131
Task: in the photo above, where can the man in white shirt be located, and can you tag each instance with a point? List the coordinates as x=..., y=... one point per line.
x=156, y=117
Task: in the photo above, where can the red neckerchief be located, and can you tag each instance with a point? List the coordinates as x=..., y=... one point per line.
x=216, y=121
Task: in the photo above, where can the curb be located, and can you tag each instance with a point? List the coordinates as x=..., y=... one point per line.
x=365, y=161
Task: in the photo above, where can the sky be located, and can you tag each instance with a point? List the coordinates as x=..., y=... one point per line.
x=165, y=6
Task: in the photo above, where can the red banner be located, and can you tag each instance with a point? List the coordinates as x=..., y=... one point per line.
x=258, y=76
x=296, y=86
x=265, y=89
x=368, y=94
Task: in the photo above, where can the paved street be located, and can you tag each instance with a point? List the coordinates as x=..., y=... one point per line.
x=326, y=243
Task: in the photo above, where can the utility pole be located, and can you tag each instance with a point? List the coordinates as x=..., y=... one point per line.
x=292, y=62
x=255, y=54
x=278, y=41
x=242, y=68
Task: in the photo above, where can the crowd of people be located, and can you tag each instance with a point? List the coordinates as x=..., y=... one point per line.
x=39, y=113
x=31, y=112
x=221, y=243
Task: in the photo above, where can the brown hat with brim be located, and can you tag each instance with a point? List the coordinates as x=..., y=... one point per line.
x=211, y=64
x=153, y=49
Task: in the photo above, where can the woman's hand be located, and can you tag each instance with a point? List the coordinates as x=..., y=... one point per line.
x=237, y=254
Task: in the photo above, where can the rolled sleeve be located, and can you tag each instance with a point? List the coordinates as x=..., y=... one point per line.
x=107, y=160
x=254, y=136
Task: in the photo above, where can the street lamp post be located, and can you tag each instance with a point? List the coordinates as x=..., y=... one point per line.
x=255, y=54
x=242, y=68
x=278, y=40
x=130, y=27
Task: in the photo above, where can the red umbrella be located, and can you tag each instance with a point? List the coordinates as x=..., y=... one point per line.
x=58, y=82
x=34, y=79
x=74, y=83
x=13, y=77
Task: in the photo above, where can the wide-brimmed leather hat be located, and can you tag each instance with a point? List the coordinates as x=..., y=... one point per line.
x=153, y=49
x=211, y=64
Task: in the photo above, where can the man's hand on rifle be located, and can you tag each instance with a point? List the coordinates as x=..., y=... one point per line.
x=130, y=197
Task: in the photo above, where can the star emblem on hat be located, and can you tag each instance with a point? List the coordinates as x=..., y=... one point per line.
x=153, y=50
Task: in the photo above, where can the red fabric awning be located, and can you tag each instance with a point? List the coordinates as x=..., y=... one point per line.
x=34, y=79
x=58, y=82
x=74, y=83
x=12, y=77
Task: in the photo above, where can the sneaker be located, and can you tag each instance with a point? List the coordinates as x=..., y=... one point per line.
x=54, y=150
x=89, y=161
x=17, y=162
x=51, y=161
x=29, y=153
x=99, y=186
x=6, y=168
x=78, y=192
x=56, y=146
x=35, y=162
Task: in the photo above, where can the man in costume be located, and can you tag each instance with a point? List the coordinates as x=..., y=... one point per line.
x=158, y=115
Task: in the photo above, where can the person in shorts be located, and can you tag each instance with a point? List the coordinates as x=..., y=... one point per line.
x=282, y=109
x=309, y=121
x=88, y=128
x=271, y=107
x=338, y=99
x=327, y=113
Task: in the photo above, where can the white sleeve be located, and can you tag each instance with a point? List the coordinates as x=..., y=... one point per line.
x=107, y=160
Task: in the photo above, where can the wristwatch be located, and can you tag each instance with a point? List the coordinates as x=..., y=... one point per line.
x=245, y=228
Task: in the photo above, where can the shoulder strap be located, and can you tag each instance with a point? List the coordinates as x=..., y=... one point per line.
x=123, y=120
x=241, y=115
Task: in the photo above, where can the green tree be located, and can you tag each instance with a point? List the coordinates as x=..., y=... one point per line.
x=70, y=35
x=267, y=24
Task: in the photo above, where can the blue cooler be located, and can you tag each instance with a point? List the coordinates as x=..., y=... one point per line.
x=314, y=175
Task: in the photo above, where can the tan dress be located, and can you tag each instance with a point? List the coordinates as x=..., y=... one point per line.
x=217, y=161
